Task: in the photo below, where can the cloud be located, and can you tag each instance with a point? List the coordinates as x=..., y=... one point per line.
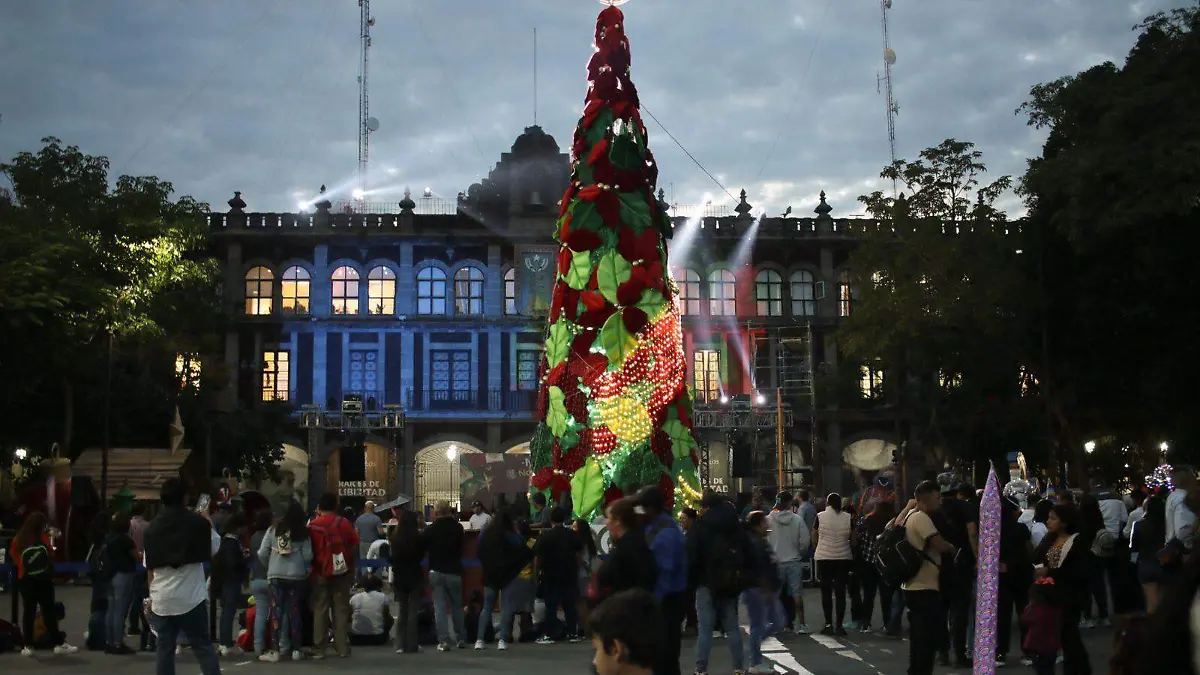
x=777, y=97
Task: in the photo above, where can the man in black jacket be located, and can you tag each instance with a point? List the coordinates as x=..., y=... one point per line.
x=718, y=561
x=178, y=544
x=444, y=539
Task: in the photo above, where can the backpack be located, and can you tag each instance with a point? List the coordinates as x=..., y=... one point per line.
x=728, y=567
x=335, y=548
x=101, y=561
x=896, y=560
x=35, y=560
x=1104, y=544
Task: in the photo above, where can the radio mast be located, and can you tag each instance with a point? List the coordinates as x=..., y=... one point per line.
x=889, y=60
x=366, y=123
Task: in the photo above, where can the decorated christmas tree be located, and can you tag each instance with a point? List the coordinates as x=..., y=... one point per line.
x=614, y=412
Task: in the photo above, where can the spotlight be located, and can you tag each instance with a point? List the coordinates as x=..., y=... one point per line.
x=1090, y=447
x=760, y=399
x=724, y=398
x=20, y=453
x=358, y=194
x=428, y=192
x=452, y=452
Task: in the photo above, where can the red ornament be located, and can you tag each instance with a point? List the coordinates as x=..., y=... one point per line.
x=542, y=478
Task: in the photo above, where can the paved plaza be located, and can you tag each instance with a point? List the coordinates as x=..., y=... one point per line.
x=856, y=654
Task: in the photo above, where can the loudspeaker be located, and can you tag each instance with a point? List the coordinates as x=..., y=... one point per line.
x=743, y=460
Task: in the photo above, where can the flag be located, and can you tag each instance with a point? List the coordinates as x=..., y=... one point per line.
x=988, y=580
x=176, y=431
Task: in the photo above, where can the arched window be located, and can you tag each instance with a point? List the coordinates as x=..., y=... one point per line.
x=845, y=294
x=468, y=291
x=804, y=293
x=345, y=290
x=689, y=292
x=431, y=291
x=296, y=290
x=381, y=291
x=510, y=291
x=768, y=290
x=259, y=283
x=722, y=288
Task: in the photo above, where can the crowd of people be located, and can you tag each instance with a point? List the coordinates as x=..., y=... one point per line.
x=294, y=580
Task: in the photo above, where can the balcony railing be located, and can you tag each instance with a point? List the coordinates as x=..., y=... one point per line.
x=499, y=401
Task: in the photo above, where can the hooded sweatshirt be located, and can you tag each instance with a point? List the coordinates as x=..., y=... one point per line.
x=1114, y=511
x=789, y=536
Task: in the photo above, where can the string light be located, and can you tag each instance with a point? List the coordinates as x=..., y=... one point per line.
x=1161, y=478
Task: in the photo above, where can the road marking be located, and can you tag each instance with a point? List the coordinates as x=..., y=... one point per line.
x=789, y=662
x=850, y=654
x=828, y=642
x=243, y=663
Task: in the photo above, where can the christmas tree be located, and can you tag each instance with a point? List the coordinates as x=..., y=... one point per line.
x=614, y=412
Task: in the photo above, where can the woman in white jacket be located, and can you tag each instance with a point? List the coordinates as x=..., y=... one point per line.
x=832, y=533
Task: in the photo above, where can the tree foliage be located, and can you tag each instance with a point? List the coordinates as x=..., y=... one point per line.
x=1114, y=204
x=88, y=269
x=938, y=303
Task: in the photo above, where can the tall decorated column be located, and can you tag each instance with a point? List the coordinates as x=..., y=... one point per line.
x=614, y=410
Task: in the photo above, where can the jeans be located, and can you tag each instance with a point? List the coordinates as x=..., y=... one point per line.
x=192, y=624
x=709, y=609
x=833, y=575
x=38, y=593
x=507, y=611
x=332, y=595
x=120, y=595
x=871, y=582
x=231, y=600
x=407, y=605
x=564, y=594
x=260, y=589
x=447, y=590
x=285, y=613
x=766, y=618
x=924, y=613
x=895, y=622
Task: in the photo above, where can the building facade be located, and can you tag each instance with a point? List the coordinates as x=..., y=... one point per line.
x=436, y=311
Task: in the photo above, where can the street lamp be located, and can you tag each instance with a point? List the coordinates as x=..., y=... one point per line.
x=1090, y=447
x=1164, y=447
x=452, y=452
x=21, y=453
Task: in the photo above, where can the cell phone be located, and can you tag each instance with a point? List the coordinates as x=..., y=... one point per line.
x=202, y=504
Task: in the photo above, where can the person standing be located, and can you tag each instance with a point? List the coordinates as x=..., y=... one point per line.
x=259, y=586
x=120, y=562
x=1179, y=518
x=921, y=595
x=407, y=548
x=1016, y=575
x=868, y=533
x=720, y=564
x=790, y=540
x=367, y=526
x=832, y=532
x=806, y=510
x=179, y=542
x=137, y=618
x=286, y=551
x=34, y=557
x=502, y=554
x=669, y=547
x=557, y=552
x=479, y=517
x=334, y=544
x=445, y=538
x=229, y=574
x=1063, y=557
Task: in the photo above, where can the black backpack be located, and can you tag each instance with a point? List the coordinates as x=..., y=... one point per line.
x=728, y=570
x=896, y=560
x=35, y=560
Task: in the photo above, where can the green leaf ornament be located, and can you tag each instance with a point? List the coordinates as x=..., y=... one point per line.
x=580, y=271
x=617, y=340
x=558, y=342
x=587, y=488
x=612, y=271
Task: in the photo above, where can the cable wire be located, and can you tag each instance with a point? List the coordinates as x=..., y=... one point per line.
x=203, y=84
x=795, y=96
x=685, y=151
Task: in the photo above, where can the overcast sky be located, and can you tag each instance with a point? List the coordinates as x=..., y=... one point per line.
x=777, y=97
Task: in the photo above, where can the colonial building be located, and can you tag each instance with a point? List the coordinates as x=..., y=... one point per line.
x=432, y=312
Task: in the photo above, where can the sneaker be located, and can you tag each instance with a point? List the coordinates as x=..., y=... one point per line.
x=462, y=645
x=762, y=669
x=26, y=651
x=827, y=630
x=1087, y=623
x=717, y=635
x=700, y=672
x=1026, y=661
x=178, y=650
x=502, y=645
x=544, y=640
x=444, y=647
x=1001, y=661
x=802, y=629
x=228, y=651
x=65, y=648
x=269, y=657
x=317, y=654
x=865, y=628
x=297, y=655
x=574, y=639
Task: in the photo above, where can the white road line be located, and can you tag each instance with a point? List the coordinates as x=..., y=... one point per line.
x=787, y=661
x=850, y=654
x=828, y=642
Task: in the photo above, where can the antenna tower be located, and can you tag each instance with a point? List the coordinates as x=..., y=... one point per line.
x=366, y=123
x=889, y=60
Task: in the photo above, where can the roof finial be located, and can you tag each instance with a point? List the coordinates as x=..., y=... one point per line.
x=823, y=208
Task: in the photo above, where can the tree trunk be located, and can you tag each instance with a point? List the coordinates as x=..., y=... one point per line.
x=68, y=431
